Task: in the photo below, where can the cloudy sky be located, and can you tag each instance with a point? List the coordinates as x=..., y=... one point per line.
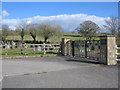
x=66, y=14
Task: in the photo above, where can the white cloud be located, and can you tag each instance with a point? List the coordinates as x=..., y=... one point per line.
x=67, y=22
x=5, y=13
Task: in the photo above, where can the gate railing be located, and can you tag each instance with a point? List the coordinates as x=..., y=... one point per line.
x=118, y=54
x=87, y=49
x=103, y=49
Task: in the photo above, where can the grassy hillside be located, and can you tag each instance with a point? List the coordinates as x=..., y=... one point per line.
x=73, y=36
x=52, y=39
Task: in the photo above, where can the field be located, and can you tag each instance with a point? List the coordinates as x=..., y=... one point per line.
x=52, y=39
x=72, y=36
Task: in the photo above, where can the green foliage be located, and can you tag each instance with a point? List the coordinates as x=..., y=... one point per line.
x=88, y=29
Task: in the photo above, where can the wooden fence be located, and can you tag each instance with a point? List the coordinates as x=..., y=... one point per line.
x=30, y=48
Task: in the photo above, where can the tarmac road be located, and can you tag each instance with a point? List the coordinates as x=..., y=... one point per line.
x=57, y=72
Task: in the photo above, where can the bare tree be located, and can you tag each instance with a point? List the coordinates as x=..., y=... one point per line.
x=48, y=30
x=112, y=25
x=32, y=29
x=21, y=29
x=87, y=29
x=1, y=36
x=118, y=26
x=5, y=32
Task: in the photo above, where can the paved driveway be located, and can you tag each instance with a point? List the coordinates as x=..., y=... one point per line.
x=57, y=72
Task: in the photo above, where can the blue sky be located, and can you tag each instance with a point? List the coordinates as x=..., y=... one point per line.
x=30, y=9
x=68, y=15
x=61, y=1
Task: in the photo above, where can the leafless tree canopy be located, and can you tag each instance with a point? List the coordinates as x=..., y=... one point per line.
x=48, y=30
x=118, y=26
x=21, y=29
x=87, y=29
x=112, y=25
x=33, y=30
x=5, y=32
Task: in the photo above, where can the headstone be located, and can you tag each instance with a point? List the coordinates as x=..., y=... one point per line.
x=38, y=48
x=96, y=47
x=25, y=46
x=88, y=49
x=13, y=43
x=7, y=46
x=81, y=49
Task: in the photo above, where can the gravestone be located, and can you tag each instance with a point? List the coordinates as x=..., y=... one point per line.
x=7, y=46
x=96, y=47
x=81, y=49
x=13, y=43
x=38, y=48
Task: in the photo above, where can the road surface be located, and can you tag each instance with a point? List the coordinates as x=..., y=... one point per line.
x=57, y=72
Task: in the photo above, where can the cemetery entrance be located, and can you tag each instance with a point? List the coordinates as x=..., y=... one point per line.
x=100, y=49
x=89, y=49
x=86, y=49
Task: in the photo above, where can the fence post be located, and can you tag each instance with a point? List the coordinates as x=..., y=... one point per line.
x=73, y=49
x=85, y=48
x=44, y=48
x=108, y=50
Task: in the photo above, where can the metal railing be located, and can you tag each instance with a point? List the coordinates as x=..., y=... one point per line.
x=87, y=49
x=117, y=48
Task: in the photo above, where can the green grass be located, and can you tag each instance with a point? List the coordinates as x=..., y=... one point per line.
x=52, y=39
x=118, y=41
x=32, y=54
x=17, y=52
x=28, y=37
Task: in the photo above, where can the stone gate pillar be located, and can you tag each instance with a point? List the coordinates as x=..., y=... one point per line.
x=64, y=46
x=108, y=50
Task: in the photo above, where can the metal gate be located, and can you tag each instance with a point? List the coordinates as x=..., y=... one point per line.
x=86, y=49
